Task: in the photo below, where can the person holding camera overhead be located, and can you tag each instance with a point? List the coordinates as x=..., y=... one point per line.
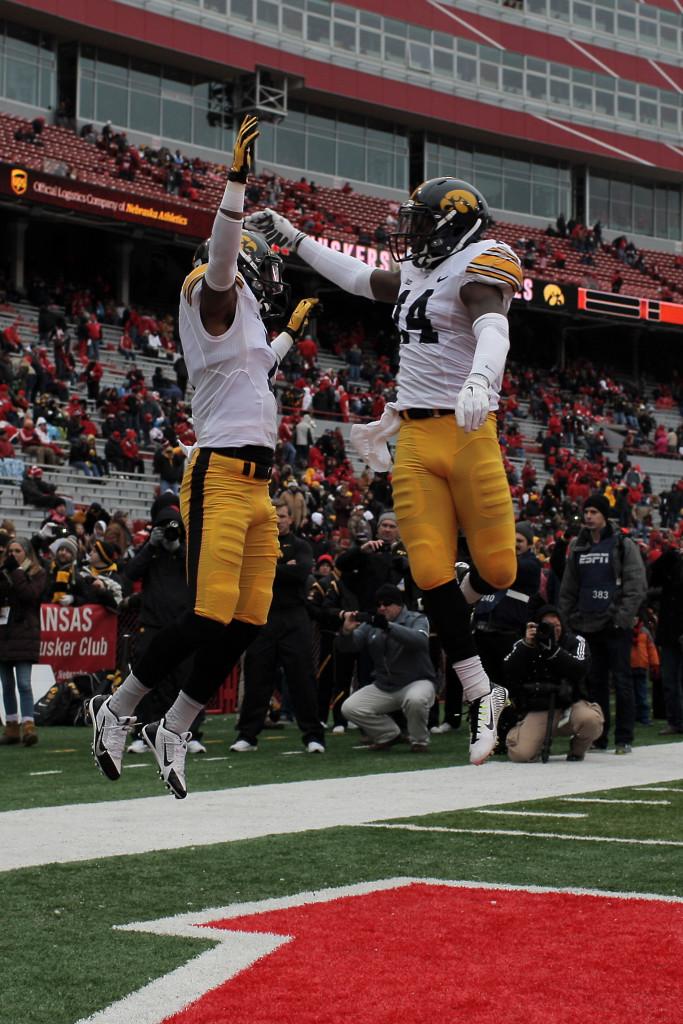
x=404, y=678
x=550, y=662
x=22, y=582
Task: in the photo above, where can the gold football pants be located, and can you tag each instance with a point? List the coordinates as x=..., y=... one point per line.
x=232, y=540
x=445, y=479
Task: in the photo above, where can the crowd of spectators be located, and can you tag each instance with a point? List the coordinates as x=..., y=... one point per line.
x=341, y=513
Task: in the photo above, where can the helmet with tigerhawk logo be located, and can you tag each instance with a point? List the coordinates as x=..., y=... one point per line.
x=261, y=268
x=442, y=216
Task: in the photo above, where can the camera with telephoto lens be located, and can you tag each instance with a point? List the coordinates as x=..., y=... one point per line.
x=172, y=531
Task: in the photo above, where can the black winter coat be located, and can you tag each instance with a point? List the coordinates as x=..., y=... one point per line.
x=667, y=574
x=21, y=592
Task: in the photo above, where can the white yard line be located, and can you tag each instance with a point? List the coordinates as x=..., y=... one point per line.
x=604, y=800
x=658, y=789
x=78, y=832
x=54, y=771
x=529, y=835
x=532, y=814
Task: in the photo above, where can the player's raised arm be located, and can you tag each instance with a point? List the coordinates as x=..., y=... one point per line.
x=219, y=295
x=348, y=273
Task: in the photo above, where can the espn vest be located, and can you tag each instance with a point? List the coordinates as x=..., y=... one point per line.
x=598, y=581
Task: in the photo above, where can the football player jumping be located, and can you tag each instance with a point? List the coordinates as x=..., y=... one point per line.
x=234, y=289
x=451, y=297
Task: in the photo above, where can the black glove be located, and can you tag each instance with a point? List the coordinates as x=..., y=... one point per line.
x=380, y=621
x=10, y=563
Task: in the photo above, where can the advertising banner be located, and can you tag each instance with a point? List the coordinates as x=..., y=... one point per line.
x=82, y=197
x=76, y=640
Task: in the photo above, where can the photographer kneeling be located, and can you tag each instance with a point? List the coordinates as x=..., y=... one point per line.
x=398, y=643
x=549, y=662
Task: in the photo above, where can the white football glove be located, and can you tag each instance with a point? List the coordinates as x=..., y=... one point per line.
x=370, y=439
x=472, y=404
x=277, y=229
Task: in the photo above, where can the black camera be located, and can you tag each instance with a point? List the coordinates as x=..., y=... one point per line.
x=362, y=617
x=545, y=632
x=172, y=531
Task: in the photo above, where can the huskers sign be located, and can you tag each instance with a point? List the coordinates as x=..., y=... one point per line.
x=76, y=640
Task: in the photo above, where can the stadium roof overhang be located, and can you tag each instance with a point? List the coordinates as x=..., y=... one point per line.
x=139, y=32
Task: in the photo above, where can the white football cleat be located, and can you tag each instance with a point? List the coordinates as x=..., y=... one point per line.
x=313, y=747
x=169, y=749
x=109, y=735
x=484, y=714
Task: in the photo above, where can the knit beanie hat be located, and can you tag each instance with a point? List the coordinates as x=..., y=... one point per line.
x=65, y=542
x=598, y=501
x=390, y=516
x=107, y=552
x=389, y=594
x=526, y=530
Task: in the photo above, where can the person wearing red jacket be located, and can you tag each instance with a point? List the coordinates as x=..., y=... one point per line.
x=131, y=453
x=644, y=659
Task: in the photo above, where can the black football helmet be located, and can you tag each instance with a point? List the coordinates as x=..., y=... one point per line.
x=442, y=216
x=261, y=268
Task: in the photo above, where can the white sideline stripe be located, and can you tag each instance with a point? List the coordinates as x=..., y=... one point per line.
x=604, y=800
x=534, y=814
x=531, y=835
x=658, y=789
x=155, y=1002
x=54, y=771
x=78, y=832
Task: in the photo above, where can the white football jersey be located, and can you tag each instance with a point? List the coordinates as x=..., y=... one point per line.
x=233, y=404
x=437, y=340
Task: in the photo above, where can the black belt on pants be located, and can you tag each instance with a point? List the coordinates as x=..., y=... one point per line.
x=425, y=414
x=257, y=459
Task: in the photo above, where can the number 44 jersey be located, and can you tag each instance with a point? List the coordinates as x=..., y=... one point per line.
x=437, y=340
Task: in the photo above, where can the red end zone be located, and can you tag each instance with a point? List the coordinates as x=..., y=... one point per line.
x=437, y=953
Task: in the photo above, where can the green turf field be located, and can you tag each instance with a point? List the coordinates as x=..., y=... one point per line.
x=63, y=960
x=63, y=754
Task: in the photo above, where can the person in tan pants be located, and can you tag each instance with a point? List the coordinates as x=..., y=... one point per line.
x=550, y=659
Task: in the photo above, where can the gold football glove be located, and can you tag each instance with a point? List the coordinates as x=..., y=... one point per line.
x=299, y=318
x=243, y=150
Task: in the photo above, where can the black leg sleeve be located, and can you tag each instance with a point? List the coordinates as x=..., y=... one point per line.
x=449, y=614
x=214, y=661
x=174, y=643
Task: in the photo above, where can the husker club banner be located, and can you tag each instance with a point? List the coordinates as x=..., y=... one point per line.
x=79, y=639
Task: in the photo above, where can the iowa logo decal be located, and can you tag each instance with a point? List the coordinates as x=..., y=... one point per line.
x=415, y=950
x=18, y=181
x=460, y=200
x=553, y=295
x=248, y=244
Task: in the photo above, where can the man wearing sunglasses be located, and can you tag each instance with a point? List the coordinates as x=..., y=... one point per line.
x=398, y=643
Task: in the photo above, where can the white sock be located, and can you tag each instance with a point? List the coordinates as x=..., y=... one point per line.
x=128, y=696
x=475, y=682
x=468, y=591
x=182, y=713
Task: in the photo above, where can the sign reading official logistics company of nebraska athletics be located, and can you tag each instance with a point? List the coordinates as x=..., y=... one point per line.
x=30, y=186
x=77, y=639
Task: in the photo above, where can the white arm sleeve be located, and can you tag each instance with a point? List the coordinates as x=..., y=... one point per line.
x=345, y=271
x=224, y=244
x=493, y=341
x=281, y=345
